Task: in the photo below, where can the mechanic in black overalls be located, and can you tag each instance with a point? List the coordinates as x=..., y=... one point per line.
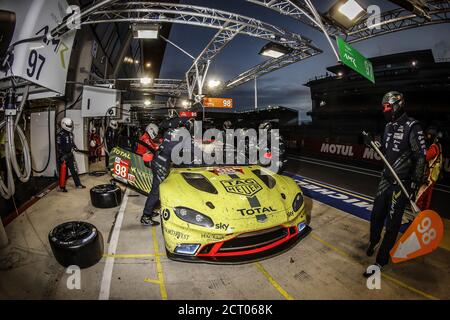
x=65, y=143
x=111, y=137
x=160, y=168
x=404, y=148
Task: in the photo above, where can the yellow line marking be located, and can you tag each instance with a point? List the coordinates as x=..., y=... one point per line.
x=133, y=256
x=148, y=280
x=162, y=286
x=383, y=275
x=273, y=282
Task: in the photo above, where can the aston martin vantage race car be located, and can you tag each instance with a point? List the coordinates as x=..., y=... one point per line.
x=220, y=214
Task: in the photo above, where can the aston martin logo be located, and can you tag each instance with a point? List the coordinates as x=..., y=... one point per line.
x=245, y=187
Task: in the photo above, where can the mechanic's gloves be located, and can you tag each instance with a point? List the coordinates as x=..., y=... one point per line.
x=368, y=138
x=147, y=157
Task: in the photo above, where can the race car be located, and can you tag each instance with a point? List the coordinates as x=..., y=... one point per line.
x=221, y=214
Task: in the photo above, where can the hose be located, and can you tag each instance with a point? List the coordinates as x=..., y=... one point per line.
x=11, y=126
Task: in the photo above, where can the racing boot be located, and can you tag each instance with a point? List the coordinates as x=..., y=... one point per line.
x=147, y=220
x=63, y=189
x=81, y=187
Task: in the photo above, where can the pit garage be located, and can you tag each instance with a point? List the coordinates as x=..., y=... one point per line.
x=87, y=85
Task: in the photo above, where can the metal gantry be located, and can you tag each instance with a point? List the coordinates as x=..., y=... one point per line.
x=163, y=87
x=229, y=25
x=390, y=21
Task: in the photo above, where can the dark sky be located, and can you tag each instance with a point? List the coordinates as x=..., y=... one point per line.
x=284, y=86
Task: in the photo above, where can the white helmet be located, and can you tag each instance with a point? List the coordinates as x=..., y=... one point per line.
x=67, y=124
x=114, y=124
x=94, y=130
x=152, y=129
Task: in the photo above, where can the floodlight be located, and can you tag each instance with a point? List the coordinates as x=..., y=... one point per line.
x=145, y=80
x=145, y=31
x=346, y=13
x=274, y=50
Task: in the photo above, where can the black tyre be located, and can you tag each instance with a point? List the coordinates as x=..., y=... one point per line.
x=76, y=243
x=106, y=196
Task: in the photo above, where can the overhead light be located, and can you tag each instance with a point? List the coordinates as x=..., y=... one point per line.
x=136, y=61
x=148, y=65
x=414, y=63
x=351, y=9
x=185, y=103
x=346, y=13
x=274, y=50
x=147, y=103
x=145, y=80
x=214, y=83
x=145, y=31
x=340, y=74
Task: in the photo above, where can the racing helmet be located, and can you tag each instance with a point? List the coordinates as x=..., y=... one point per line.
x=67, y=124
x=114, y=124
x=93, y=130
x=393, y=105
x=152, y=130
x=227, y=125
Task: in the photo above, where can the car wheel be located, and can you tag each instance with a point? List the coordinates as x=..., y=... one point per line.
x=76, y=243
x=106, y=196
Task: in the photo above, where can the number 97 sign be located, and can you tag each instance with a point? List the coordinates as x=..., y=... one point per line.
x=422, y=237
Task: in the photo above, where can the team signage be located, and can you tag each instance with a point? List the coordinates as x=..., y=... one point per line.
x=226, y=103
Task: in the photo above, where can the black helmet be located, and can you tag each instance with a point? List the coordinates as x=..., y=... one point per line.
x=227, y=125
x=393, y=105
x=174, y=122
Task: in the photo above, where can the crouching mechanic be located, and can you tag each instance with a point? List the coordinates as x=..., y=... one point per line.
x=404, y=148
x=160, y=167
x=66, y=159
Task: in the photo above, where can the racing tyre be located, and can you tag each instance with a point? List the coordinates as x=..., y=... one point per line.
x=76, y=243
x=106, y=196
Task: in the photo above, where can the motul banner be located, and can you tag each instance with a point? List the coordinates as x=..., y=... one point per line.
x=353, y=152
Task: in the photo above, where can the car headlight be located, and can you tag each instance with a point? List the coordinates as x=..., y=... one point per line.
x=193, y=217
x=298, y=201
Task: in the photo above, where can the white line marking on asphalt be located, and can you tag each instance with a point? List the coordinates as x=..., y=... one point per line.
x=109, y=264
x=364, y=171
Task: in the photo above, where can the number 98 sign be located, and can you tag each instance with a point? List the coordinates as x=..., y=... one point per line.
x=121, y=168
x=422, y=237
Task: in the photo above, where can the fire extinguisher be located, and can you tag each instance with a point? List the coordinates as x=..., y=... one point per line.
x=62, y=175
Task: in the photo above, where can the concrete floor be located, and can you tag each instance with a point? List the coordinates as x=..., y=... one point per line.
x=326, y=265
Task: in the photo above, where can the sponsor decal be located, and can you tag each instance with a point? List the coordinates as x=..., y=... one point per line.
x=131, y=177
x=166, y=214
x=261, y=218
x=245, y=187
x=211, y=236
x=121, y=168
x=338, y=149
x=290, y=214
x=222, y=226
x=252, y=211
x=122, y=153
x=177, y=234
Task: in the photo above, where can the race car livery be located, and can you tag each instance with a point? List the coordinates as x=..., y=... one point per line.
x=221, y=214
